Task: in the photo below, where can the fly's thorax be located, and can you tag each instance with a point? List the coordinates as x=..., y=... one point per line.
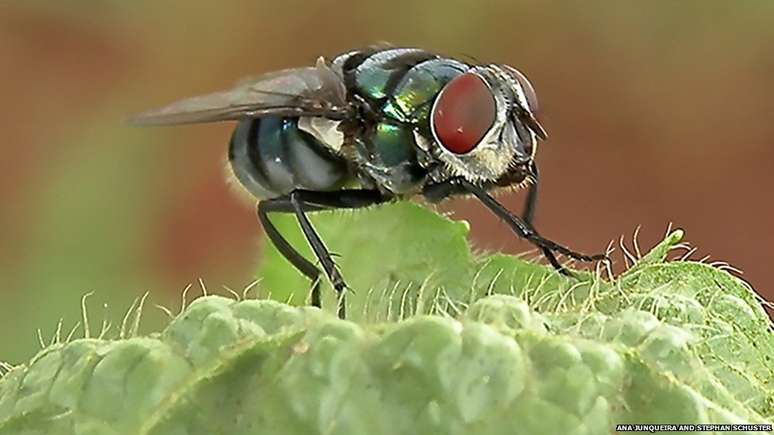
x=386, y=154
x=435, y=117
x=399, y=86
x=413, y=96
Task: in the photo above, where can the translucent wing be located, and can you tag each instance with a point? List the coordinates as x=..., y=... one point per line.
x=310, y=91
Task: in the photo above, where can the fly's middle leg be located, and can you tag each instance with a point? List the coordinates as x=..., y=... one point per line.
x=299, y=202
x=285, y=248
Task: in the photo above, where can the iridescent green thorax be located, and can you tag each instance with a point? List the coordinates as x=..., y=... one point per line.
x=402, y=91
x=378, y=74
x=386, y=153
x=401, y=85
x=413, y=97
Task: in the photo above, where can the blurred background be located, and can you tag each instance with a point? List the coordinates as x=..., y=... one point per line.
x=657, y=112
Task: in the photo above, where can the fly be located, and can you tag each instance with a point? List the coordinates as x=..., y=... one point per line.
x=373, y=126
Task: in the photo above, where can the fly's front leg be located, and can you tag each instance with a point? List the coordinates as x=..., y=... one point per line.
x=528, y=216
x=531, y=202
x=438, y=191
x=520, y=227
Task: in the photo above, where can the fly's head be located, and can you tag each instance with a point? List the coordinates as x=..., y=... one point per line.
x=485, y=127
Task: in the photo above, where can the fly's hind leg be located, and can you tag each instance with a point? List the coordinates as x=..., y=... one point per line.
x=301, y=201
x=286, y=249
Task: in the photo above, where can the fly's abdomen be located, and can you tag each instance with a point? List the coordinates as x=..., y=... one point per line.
x=271, y=157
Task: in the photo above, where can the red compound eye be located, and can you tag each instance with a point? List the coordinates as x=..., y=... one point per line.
x=463, y=113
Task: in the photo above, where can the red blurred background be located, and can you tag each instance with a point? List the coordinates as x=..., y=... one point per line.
x=657, y=112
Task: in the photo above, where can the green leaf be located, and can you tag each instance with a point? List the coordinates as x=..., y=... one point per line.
x=490, y=345
x=387, y=254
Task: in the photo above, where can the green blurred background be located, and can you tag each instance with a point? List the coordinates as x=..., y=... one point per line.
x=658, y=112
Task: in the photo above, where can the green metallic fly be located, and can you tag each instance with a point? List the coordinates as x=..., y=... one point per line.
x=373, y=126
